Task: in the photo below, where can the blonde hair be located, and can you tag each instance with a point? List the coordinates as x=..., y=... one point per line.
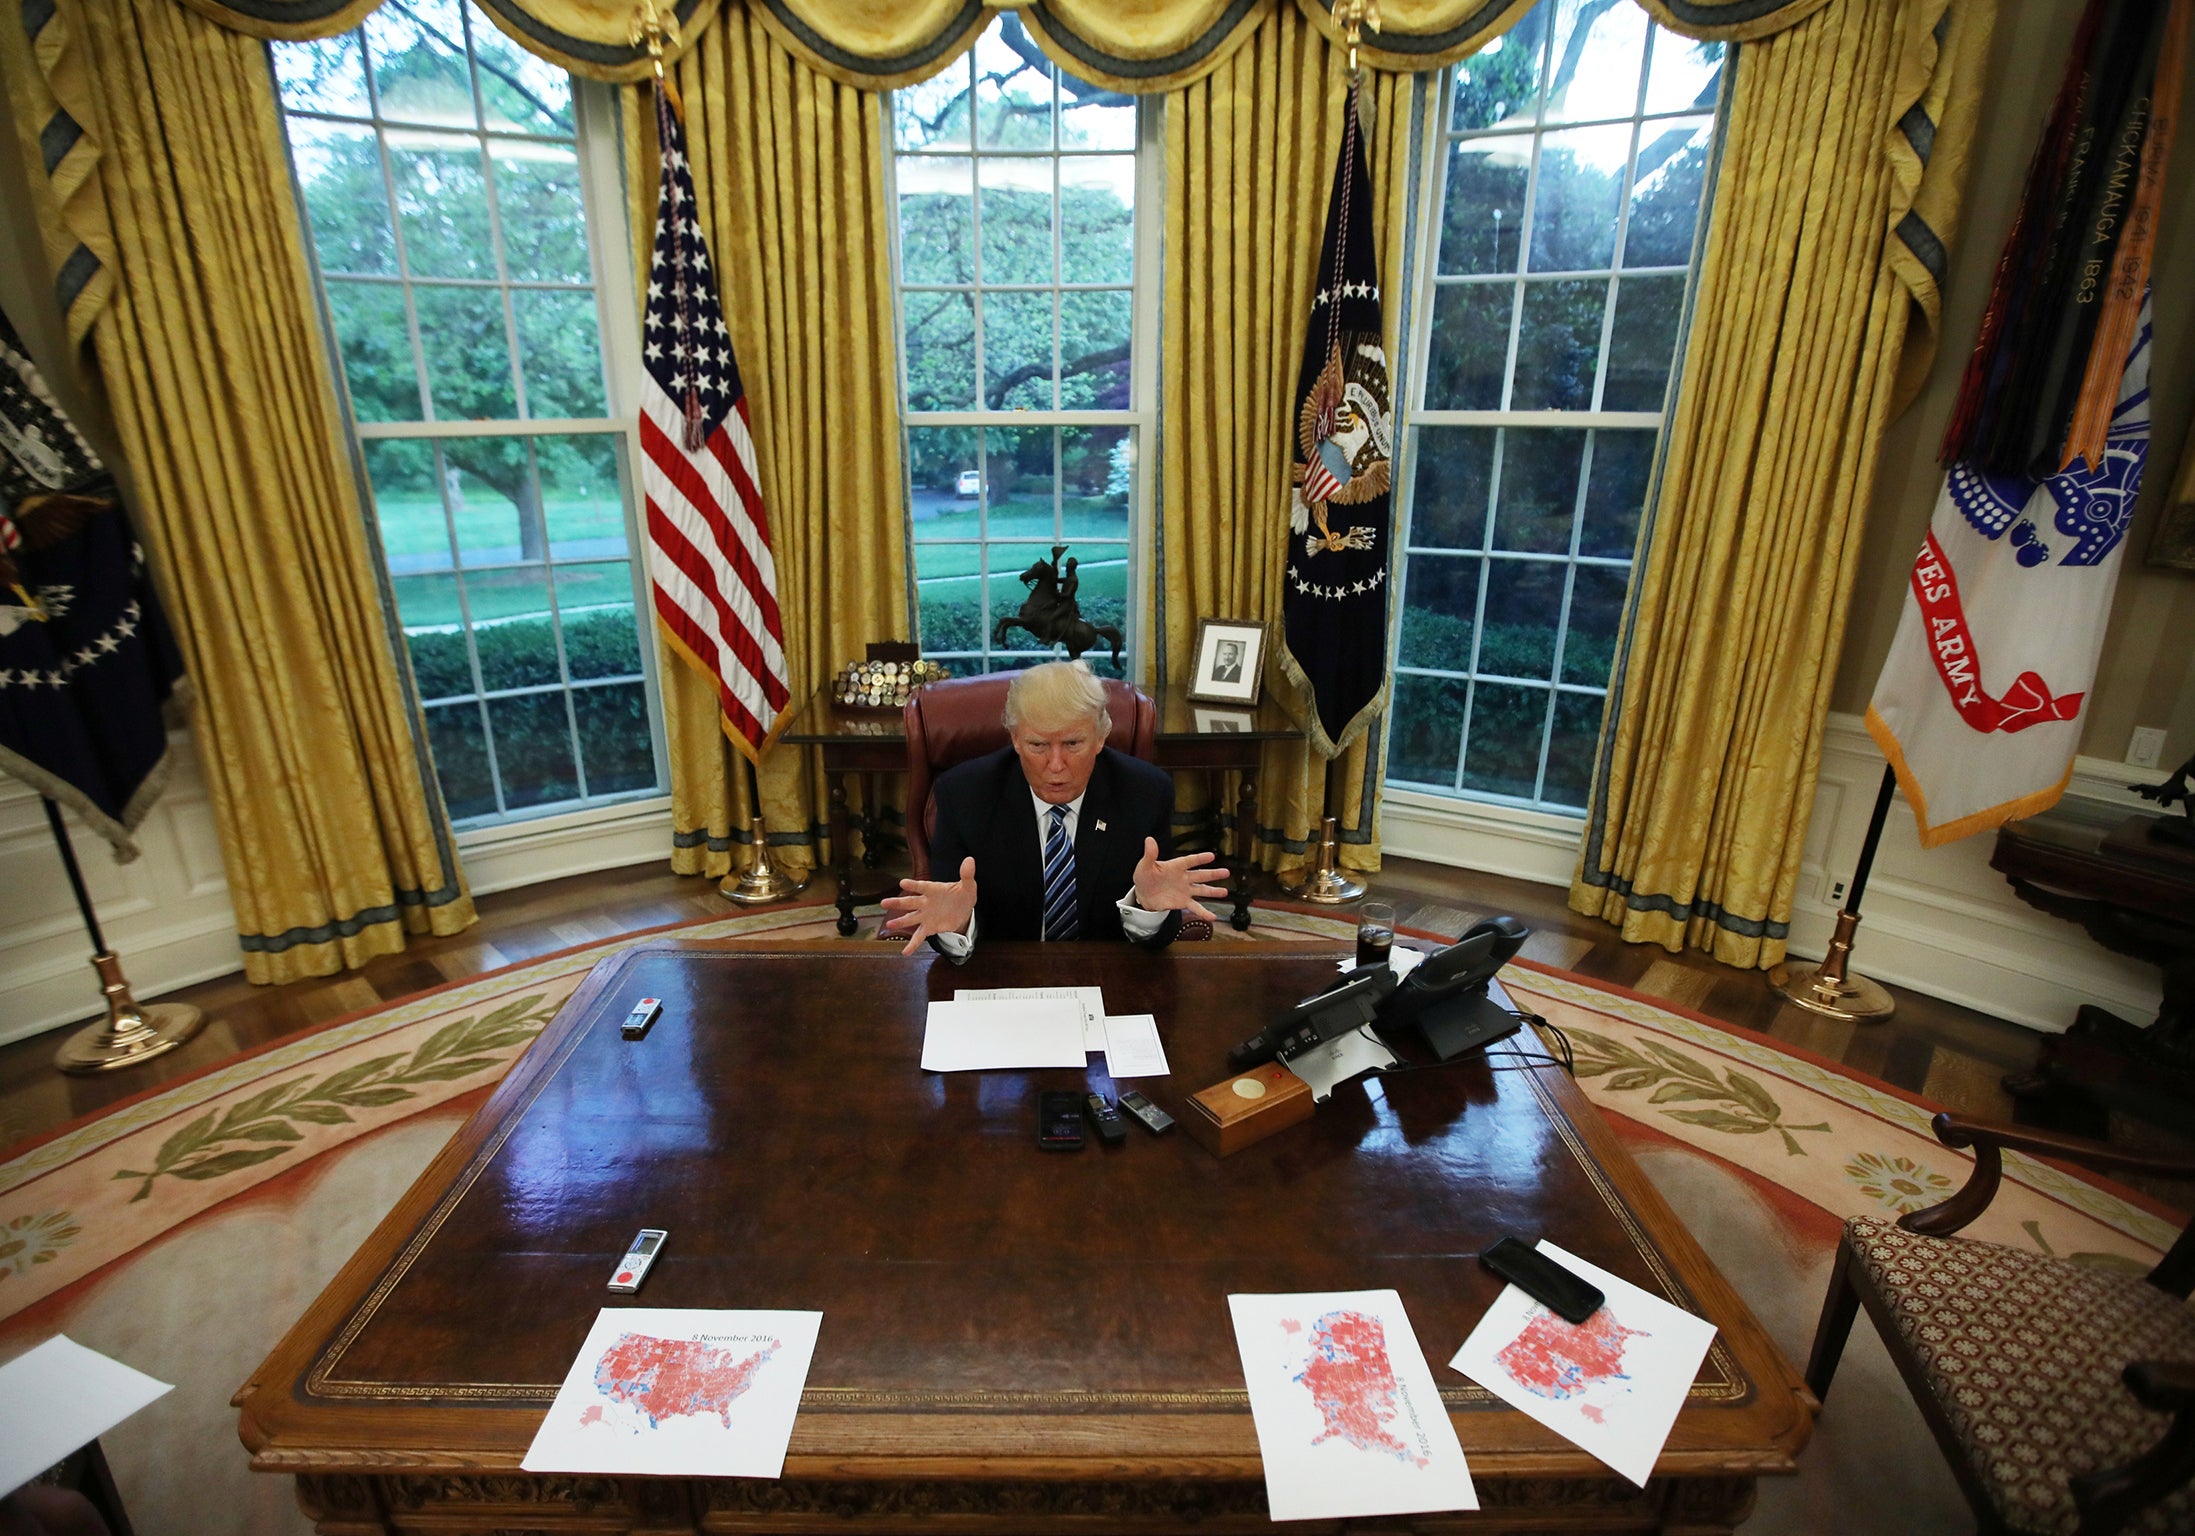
x=1056, y=693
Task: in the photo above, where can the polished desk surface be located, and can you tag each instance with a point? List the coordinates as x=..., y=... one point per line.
x=989, y=1308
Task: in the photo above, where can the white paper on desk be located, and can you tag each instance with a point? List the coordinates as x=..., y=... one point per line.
x=59, y=1397
x=993, y=1033
x=668, y=1391
x=1091, y=1000
x=1133, y=1048
x=1611, y=1385
x=1402, y=960
x=1349, y=1421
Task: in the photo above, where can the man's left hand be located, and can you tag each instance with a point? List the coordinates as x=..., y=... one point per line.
x=1173, y=885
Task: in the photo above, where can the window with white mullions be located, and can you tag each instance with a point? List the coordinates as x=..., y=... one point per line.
x=1016, y=188
x=1577, y=165
x=445, y=181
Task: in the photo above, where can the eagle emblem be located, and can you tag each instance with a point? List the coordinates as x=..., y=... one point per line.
x=39, y=521
x=1344, y=445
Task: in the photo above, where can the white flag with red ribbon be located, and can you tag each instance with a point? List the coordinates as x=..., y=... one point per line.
x=1979, y=704
x=709, y=566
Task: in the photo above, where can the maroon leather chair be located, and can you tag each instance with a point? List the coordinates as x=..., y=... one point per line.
x=951, y=722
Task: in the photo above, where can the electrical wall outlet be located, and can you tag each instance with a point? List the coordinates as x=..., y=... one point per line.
x=2148, y=746
x=1836, y=892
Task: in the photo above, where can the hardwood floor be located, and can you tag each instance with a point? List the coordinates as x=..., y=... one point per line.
x=1947, y=1053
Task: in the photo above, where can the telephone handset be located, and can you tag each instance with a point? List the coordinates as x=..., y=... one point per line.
x=1446, y=995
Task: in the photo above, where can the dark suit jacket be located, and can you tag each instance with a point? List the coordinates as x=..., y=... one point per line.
x=984, y=809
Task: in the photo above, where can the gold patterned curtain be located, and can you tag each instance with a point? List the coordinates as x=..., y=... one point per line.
x=199, y=303
x=1815, y=319
x=788, y=170
x=1249, y=166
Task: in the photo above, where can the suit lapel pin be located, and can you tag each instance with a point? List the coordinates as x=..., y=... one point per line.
x=1101, y=826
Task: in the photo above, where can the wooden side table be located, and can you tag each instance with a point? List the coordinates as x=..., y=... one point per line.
x=1217, y=738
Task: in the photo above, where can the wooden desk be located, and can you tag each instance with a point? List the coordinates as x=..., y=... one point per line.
x=1215, y=737
x=1009, y=1334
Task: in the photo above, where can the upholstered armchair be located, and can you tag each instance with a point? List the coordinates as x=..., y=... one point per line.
x=2063, y=1393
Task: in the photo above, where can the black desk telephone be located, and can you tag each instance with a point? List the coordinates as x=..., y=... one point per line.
x=1445, y=998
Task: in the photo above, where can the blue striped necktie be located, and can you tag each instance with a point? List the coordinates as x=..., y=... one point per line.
x=1061, y=919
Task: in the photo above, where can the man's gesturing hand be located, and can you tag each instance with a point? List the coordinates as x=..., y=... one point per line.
x=938, y=906
x=1173, y=885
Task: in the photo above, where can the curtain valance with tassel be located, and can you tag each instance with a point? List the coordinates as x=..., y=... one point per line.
x=1136, y=46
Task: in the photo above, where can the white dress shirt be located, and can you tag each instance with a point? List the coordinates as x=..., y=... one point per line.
x=1134, y=920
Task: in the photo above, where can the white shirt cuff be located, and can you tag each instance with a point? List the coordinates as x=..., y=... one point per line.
x=1135, y=921
x=958, y=945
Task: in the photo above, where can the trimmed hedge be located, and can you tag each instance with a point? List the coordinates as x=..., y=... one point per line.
x=522, y=653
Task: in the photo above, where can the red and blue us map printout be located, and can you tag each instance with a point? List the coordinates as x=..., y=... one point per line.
x=1612, y=1385
x=668, y=1391
x=1348, y=1417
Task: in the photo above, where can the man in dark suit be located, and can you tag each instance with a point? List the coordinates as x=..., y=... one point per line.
x=1074, y=840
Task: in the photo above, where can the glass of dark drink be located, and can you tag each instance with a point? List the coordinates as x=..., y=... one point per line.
x=1375, y=933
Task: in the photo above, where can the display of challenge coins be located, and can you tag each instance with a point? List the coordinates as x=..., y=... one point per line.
x=883, y=684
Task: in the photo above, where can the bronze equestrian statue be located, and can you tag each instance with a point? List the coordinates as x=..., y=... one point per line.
x=1051, y=615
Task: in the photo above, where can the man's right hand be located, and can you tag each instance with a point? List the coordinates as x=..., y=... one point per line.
x=929, y=907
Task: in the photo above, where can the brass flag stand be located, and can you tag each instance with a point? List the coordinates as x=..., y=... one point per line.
x=1831, y=989
x=762, y=882
x=1324, y=881
x=131, y=1032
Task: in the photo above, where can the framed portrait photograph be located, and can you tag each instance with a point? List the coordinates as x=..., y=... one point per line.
x=1230, y=661
x=1215, y=721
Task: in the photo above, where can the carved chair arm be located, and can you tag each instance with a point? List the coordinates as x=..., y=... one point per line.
x=2111, y=1496
x=1988, y=1139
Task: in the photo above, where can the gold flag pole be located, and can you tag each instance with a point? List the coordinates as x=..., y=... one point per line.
x=762, y=882
x=131, y=1032
x=1833, y=989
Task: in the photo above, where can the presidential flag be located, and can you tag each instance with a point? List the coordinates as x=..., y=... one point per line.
x=1334, y=598
x=709, y=563
x=86, y=660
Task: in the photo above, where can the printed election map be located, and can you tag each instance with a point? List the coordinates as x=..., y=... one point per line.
x=1349, y=1421
x=664, y=1391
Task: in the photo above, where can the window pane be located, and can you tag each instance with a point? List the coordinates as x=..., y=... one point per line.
x=544, y=217
x=418, y=54
x=1665, y=196
x=1006, y=565
x=513, y=628
x=580, y=498
x=1559, y=344
x=468, y=352
x=1523, y=603
x=376, y=345
x=1597, y=63
x=533, y=749
x=1101, y=592
x=1017, y=351
x=1015, y=200
x=594, y=602
x=1483, y=217
x=1685, y=75
x=1500, y=83
x=407, y=504
x=1574, y=204
x=521, y=93
x=442, y=199
x=614, y=738
x=1507, y=726
x=492, y=500
x=1596, y=611
x=561, y=352
x=949, y=596
x=945, y=475
x=461, y=760
x=1470, y=346
x=339, y=171
x=441, y=663
x=1095, y=337
x=1539, y=490
x=1013, y=91
x=1091, y=117
x=941, y=351
x=1097, y=476
x=1643, y=342
x=1570, y=749
x=429, y=602
x=1428, y=729
x=1615, y=492
x=1439, y=611
x=1097, y=218
x=936, y=226
x=932, y=114
x=1020, y=475
x=328, y=75
x=1454, y=473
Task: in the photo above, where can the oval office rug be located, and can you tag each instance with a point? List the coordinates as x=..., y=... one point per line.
x=184, y=1230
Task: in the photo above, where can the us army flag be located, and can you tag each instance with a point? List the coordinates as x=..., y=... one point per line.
x=1334, y=600
x=1979, y=705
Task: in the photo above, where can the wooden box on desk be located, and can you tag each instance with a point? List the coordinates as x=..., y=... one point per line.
x=1229, y=1116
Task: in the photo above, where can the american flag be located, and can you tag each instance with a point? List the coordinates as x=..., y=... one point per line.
x=709, y=561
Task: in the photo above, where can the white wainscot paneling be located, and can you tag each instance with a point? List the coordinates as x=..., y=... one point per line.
x=1938, y=921
x=167, y=913
x=515, y=853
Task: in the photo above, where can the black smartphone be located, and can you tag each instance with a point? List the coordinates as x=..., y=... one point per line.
x=1542, y=1279
x=1059, y=1122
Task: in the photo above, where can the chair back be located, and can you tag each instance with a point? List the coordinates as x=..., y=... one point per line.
x=950, y=722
